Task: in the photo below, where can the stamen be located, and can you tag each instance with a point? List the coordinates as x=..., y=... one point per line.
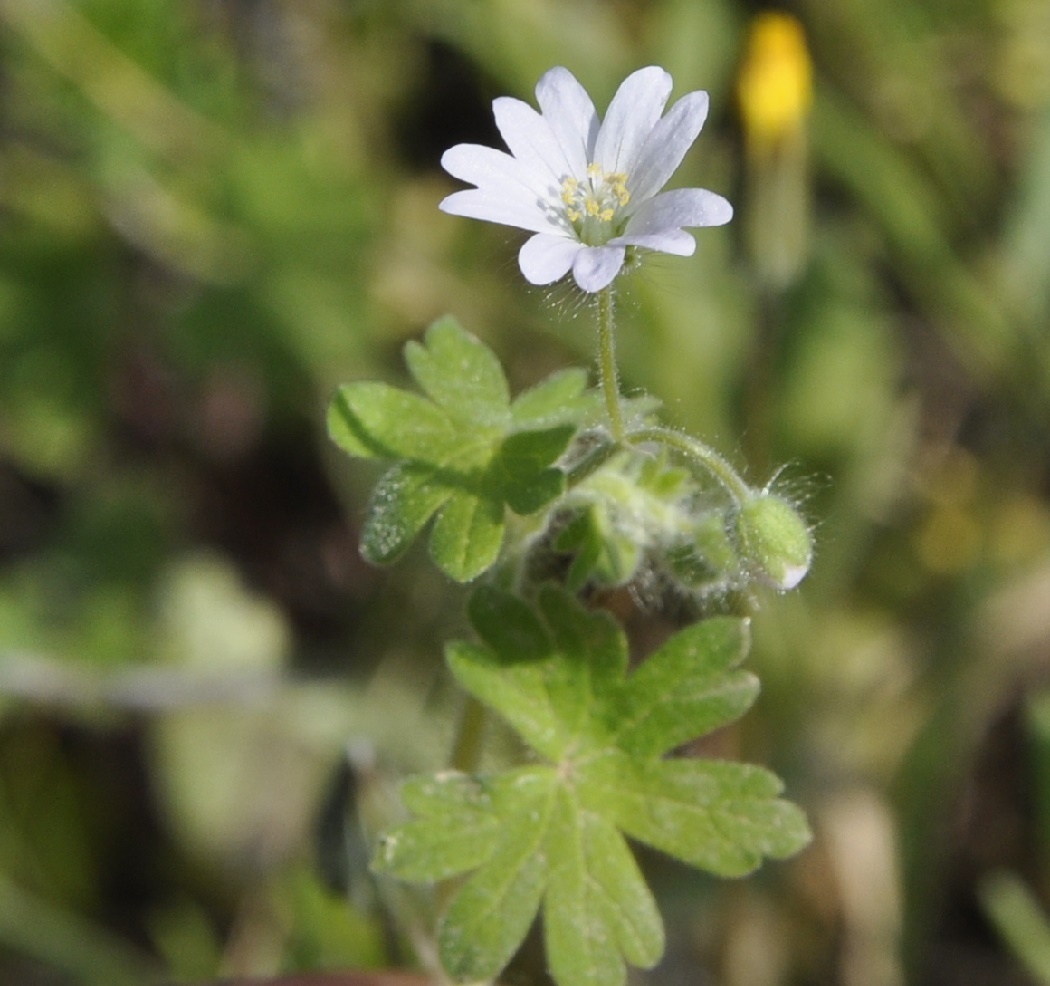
x=593, y=204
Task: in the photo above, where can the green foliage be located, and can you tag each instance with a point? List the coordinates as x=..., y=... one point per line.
x=551, y=834
x=623, y=510
x=464, y=452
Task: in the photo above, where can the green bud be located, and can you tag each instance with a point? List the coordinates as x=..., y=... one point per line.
x=774, y=541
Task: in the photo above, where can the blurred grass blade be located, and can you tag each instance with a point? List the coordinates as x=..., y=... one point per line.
x=1021, y=922
x=66, y=941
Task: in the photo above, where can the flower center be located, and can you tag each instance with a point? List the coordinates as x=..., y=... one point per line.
x=593, y=205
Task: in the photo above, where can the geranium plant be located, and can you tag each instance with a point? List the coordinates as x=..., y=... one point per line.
x=541, y=501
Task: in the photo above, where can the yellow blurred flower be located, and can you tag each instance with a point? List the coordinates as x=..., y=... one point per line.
x=775, y=87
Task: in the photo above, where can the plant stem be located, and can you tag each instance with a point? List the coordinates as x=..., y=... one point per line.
x=607, y=374
x=590, y=463
x=700, y=453
x=466, y=749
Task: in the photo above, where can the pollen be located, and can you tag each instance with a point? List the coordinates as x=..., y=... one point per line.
x=594, y=205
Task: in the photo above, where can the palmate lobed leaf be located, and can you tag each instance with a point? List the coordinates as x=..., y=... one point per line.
x=521, y=467
x=551, y=835
x=460, y=374
x=456, y=829
x=461, y=455
x=368, y=419
x=563, y=398
x=403, y=501
x=598, y=910
x=467, y=534
x=715, y=815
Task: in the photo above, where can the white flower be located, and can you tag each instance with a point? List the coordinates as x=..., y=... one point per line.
x=588, y=189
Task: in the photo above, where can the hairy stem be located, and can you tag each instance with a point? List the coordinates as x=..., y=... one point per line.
x=699, y=453
x=607, y=373
x=588, y=465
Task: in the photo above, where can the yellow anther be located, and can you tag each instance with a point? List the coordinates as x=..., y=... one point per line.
x=595, y=200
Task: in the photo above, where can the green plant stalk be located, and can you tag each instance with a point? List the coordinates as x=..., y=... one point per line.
x=468, y=744
x=607, y=374
x=699, y=453
x=466, y=757
x=590, y=464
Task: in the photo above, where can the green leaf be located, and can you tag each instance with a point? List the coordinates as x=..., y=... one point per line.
x=460, y=373
x=404, y=499
x=560, y=399
x=467, y=535
x=547, y=701
x=460, y=455
x=491, y=913
x=686, y=689
x=456, y=831
x=553, y=834
x=521, y=467
x=718, y=816
x=598, y=909
x=509, y=625
x=580, y=539
x=373, y=420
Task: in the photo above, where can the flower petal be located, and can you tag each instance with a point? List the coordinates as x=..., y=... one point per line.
x=546, y=257
x=493, y=207
x=571, y=115
x=491, y=169
x=532, y=142
x=631, y=117
x=667, y=144
x=507, y=191
x=677, y=208
x=596, y=267
x=675, y=241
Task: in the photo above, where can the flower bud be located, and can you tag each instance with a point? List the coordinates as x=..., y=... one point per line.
x=774, y=541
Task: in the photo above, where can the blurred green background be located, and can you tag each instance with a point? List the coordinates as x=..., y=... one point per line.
x=214, y=211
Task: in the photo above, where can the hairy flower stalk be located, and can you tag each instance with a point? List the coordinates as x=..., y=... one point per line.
x=607, y=373
x=587, y=188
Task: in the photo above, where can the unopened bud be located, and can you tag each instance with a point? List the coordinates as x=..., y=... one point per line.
x=774, y=541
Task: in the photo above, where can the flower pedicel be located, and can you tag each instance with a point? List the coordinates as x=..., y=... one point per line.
x=588, y=190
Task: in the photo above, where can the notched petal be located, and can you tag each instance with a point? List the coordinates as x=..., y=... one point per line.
x=532, y=142
x=571, y=115
x=631, y=116
x=667, y=144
